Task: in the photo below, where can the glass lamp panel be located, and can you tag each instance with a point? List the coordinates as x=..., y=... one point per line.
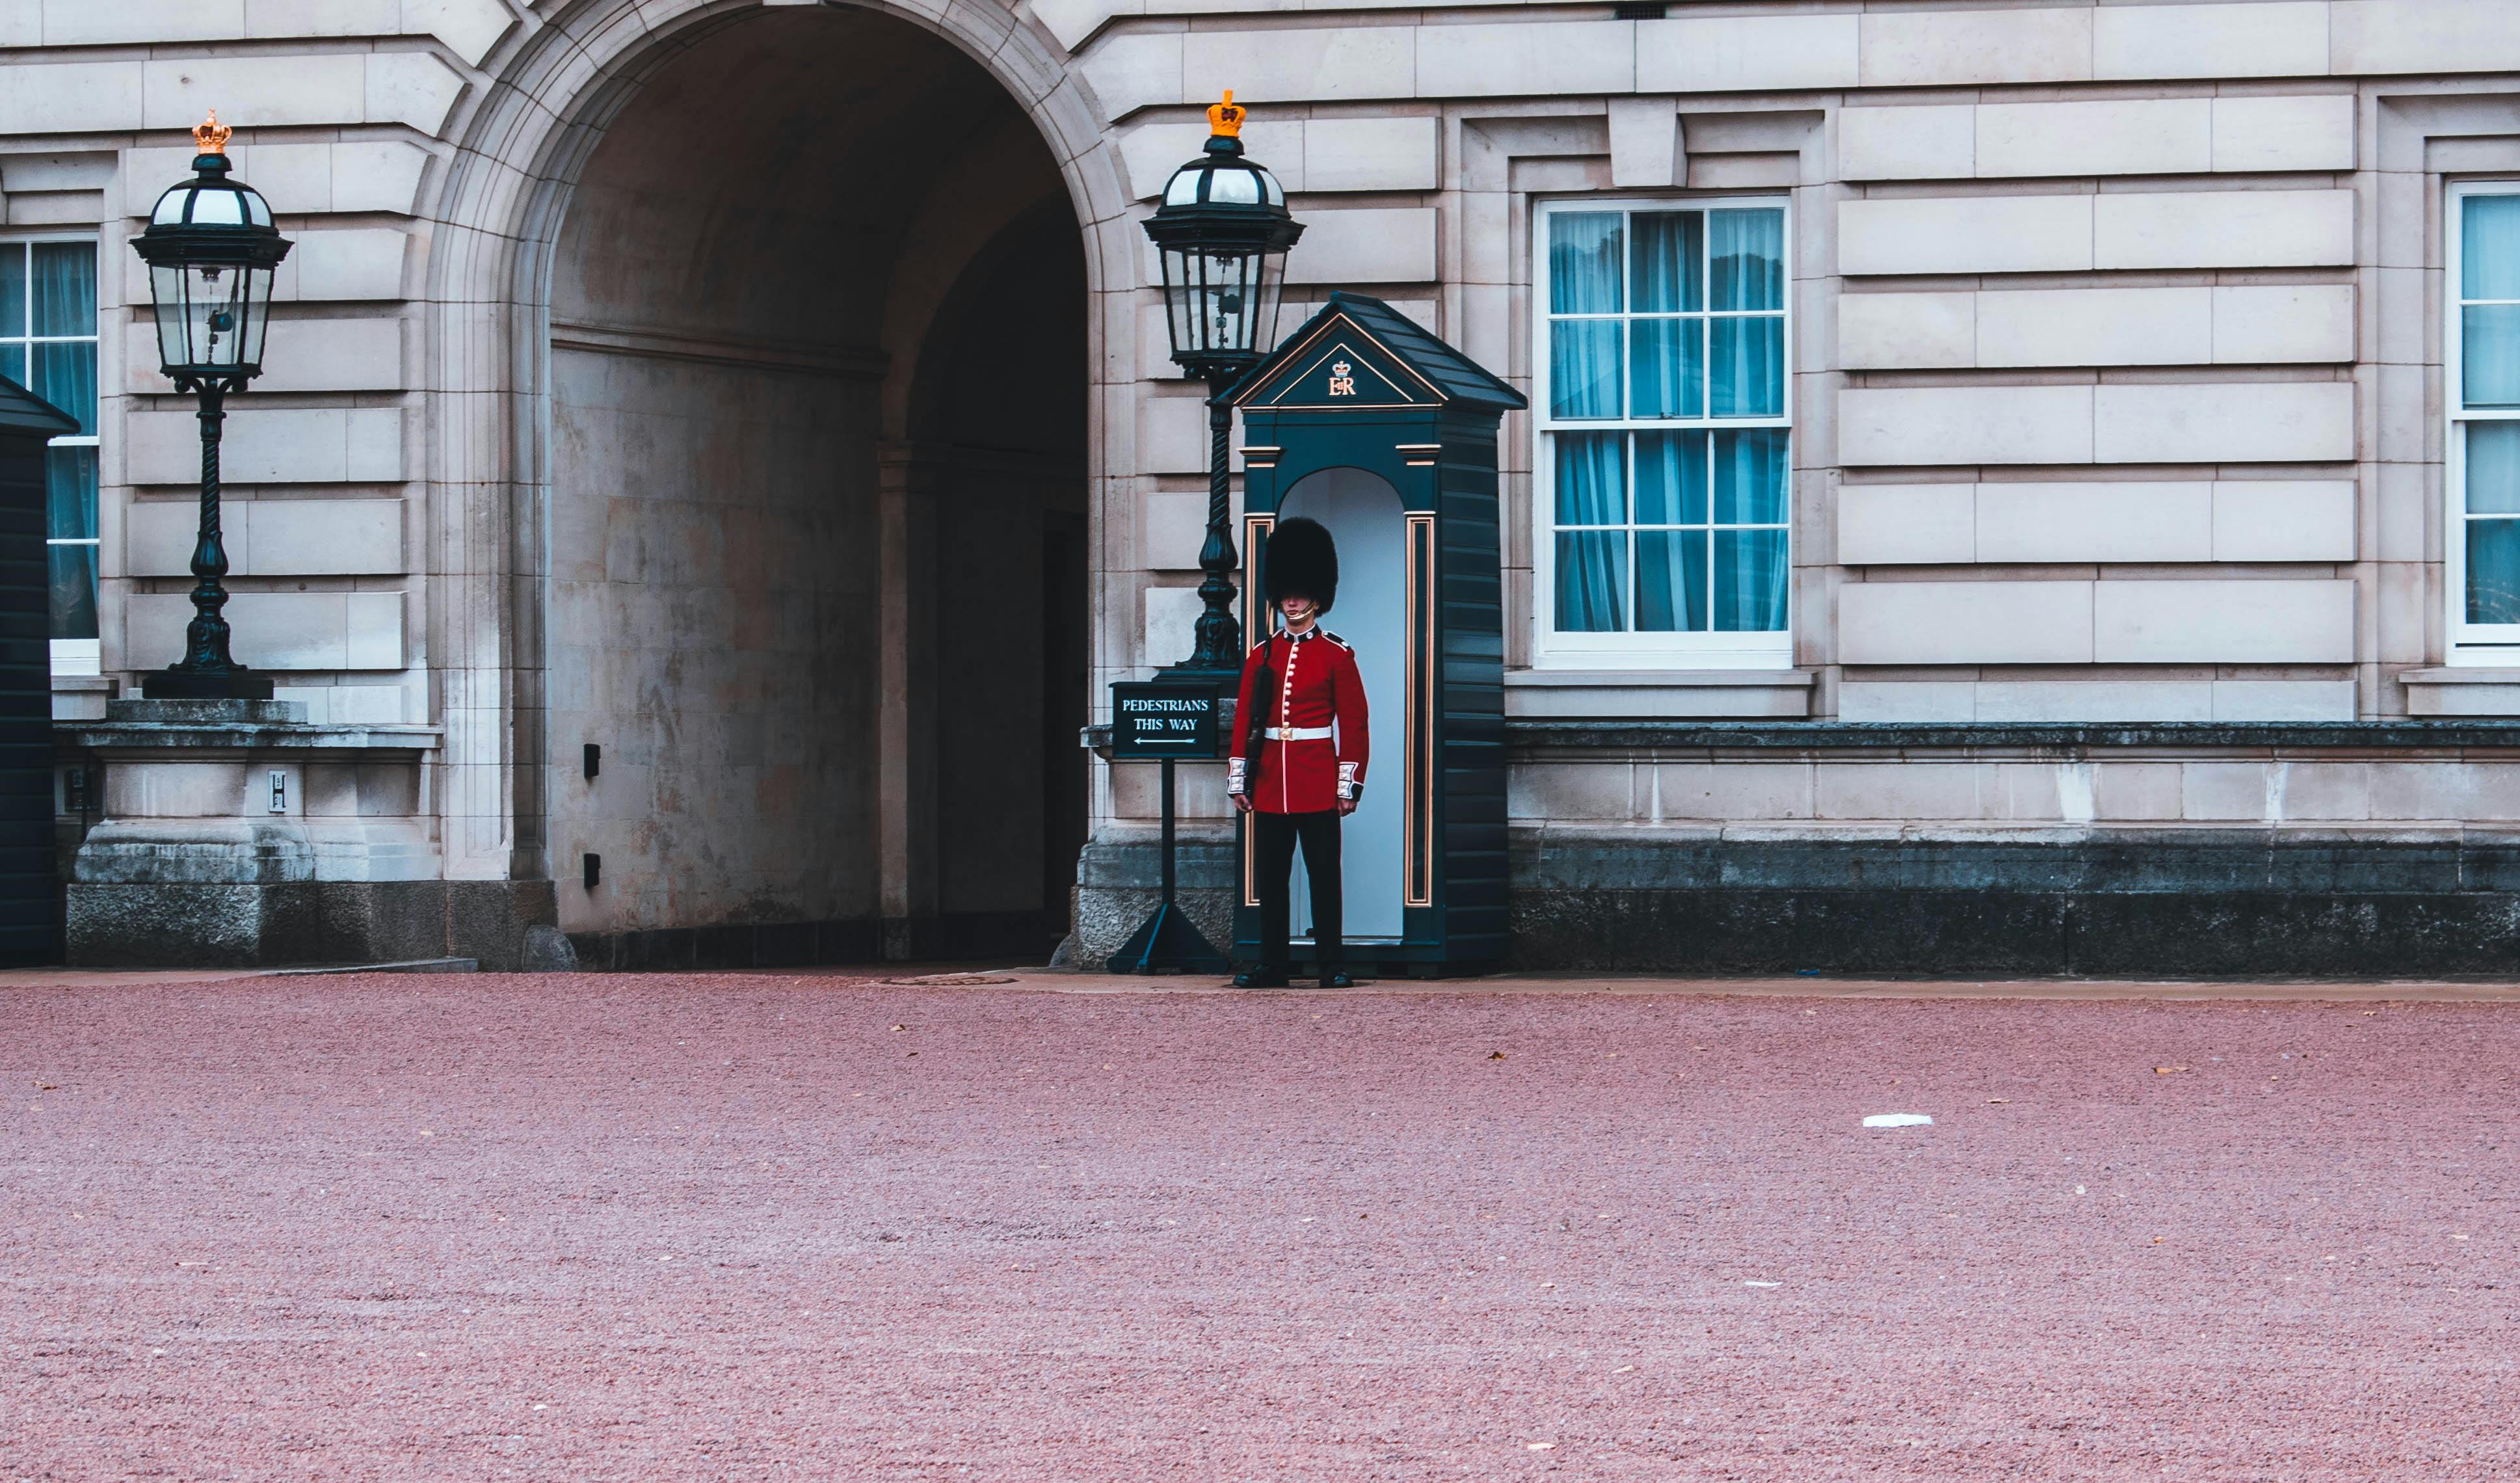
x=170, y=207
x=257, y=312
x=1583, y=368
x=1233, y=188
x=215, y=314
x=1176, y=316
x=2489, y=359
x=2488, y=247
x=1749, y=378
x=1750, y=476
x=1671, y=581
x=1272, y=285
x=1748, y=248
x=1666, y=264
x=219, y=208
x=1749, y=581
x=1671, y=478
x=12, y=289
x=1666, y=368
x=166, y=297
x=256, y=209
x=1228, y=301
x=1584, y=251
x=1270, y=191
x=1182, y=189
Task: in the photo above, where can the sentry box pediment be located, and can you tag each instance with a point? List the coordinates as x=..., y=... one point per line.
x=1367, y=423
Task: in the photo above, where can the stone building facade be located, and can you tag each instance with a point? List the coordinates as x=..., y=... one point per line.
x=2012, y=485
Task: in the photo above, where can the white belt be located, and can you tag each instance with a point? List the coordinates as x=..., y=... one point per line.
x=1297, y=733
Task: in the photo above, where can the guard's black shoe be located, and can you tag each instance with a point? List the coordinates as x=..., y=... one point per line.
x=1260, y=979
x=1337, y=981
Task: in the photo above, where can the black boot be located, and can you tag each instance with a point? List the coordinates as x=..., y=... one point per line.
x=1263, y=977
x=1336, y=978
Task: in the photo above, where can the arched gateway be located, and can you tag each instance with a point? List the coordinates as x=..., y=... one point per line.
x=760, y=481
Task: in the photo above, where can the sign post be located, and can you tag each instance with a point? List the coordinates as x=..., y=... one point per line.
x=1165, y=721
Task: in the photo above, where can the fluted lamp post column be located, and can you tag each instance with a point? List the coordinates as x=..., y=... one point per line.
x=212, y=251
x=1222, y=231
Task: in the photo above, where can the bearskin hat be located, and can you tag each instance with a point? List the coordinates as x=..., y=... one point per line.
x=1302, y=561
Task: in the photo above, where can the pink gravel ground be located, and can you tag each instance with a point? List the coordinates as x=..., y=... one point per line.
x=747, y=1227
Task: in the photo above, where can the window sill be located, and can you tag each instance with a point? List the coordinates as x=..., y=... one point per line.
x=1657, y=694
x=82, y=697
x=2469, y=690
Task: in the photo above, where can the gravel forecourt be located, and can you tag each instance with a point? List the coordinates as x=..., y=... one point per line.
x=754, y=1226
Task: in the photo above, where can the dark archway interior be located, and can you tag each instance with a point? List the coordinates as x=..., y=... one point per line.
x=816, y=508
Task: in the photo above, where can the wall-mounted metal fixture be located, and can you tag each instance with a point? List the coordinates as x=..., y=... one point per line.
x=278, y=792
x=594, y=870
x=594, y=760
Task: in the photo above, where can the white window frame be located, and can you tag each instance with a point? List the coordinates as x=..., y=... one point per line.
x=71, y=656
x=1552, y=650
x=2479, y=644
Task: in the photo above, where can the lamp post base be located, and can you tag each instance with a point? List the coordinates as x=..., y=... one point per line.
x=206, y=685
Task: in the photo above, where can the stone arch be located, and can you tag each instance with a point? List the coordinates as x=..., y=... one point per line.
x=521, y=146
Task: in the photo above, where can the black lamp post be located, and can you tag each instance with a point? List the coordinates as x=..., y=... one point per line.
x=211, y=250
x=1222, y=231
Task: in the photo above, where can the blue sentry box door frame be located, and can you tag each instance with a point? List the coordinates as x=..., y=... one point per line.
x=1360, y=385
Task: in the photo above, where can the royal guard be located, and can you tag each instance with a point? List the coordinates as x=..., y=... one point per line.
x=1298, y=764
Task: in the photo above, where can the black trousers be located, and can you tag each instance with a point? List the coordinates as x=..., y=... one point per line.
x=1274, y=846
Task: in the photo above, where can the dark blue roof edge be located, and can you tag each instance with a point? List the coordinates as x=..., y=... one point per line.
x=21, y=408
x=1457, y=377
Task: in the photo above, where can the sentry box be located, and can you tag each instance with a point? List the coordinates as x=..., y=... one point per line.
x=1382, y=432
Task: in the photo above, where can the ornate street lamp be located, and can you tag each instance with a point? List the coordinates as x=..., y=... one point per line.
x=1223, y=232
x=211, y=250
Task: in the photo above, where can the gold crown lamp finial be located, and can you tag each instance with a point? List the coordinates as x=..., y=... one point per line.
x=212, y=137
x=1225, y=119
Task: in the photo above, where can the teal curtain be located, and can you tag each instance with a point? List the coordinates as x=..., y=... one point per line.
x=1665, y=274
x=1671, y=478
x=1591, y=563
x=69, y=515
x=2493, y=543
x=1586, y=250
x=1671, y=581
x=1752, y=476
x=64, y=304
x=1666, y=368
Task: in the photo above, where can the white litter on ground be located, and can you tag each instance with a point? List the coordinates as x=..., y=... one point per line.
x=1762, y=1285
x=1899, y=1120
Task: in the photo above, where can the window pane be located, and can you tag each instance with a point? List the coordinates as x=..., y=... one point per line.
x=1591, y=581
x=1671, y=478
x=1592, y=478
x=12, y=289
x=1666, y=368
x=65, y=377
x=64, y=288
x=1584, y=262
x=1749, y=252
x=74, y=584
x=12, y=363
x=1583, y=368
x=1671, y=581
x=1749, y=581
x=1665, y=272
x=2490, y=355
x=1749, y=379
x=2488, y=247
x=1750, y=476
x=2493, y=571
x=70, y=497
x=2494, y=468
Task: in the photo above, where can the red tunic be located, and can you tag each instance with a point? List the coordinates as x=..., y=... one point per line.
x=1300, y=687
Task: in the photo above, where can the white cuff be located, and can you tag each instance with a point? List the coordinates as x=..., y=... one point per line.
x=1233, y=775
x=1349, y=785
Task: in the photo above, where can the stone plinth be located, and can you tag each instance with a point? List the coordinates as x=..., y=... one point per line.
x=236, y=833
